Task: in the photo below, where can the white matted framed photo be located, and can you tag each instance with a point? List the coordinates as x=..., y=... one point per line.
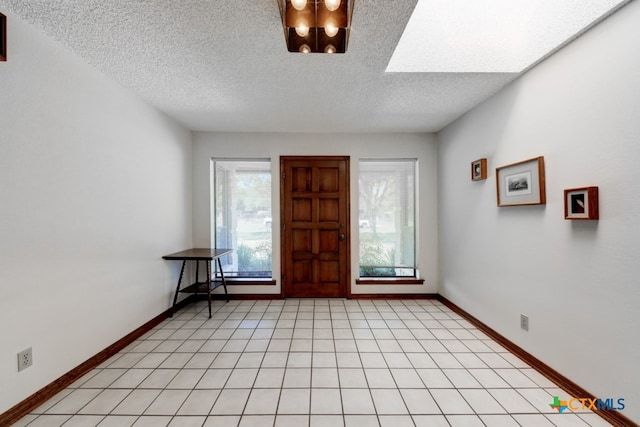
x=479, y=170
x=521, y=183
x=581, y=203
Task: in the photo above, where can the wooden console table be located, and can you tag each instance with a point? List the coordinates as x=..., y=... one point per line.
x=200, y=254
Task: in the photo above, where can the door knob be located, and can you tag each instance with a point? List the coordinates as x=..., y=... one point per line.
x=341, y=237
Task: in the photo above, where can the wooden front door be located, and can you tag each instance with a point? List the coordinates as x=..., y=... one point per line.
x=315, y=226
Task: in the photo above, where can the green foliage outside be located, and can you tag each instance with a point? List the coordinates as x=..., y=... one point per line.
x=254, y=261
x=373, y=253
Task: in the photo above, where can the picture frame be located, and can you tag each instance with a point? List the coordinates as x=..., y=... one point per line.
x=3, y=37
x=479, y=170
x=581, y=203
x=521, y=183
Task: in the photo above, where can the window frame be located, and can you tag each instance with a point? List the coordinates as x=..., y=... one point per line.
x=395, y=280
x=234, y=277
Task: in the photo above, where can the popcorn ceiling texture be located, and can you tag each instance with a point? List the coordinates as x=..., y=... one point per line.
x=223, y=65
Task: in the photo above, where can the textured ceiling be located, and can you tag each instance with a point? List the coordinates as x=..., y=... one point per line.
x=219, y=65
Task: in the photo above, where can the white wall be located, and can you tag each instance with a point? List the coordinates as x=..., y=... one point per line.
x=94, y=189
x=272, y=146
x=577, y=281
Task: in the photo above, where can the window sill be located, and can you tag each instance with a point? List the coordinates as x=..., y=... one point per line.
x=389, y=281
x=249, y=281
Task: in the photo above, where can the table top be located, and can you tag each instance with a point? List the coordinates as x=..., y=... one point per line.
x=198, y=254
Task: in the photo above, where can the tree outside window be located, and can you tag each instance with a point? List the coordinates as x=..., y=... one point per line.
x=242, y=216
x=387, y=218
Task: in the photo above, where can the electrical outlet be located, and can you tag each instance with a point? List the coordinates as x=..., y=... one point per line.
x=25, y=359
x=524, y=322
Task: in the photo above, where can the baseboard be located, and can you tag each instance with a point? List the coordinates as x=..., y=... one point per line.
x=614, y=417
x=41, y=396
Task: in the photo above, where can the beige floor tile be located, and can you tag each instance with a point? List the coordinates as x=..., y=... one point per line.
x=136, y=402
x=262, y=401
x=388, y=402
x=167, y=403
x=230, y=402
x=357, y=401
x=326, y=401
x=311, y=363
x=199, y=402
x=294, y=401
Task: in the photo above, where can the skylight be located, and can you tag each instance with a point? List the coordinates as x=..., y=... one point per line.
x=491, y=36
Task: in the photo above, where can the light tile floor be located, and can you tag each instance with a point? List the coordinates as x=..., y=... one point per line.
x=314, y=363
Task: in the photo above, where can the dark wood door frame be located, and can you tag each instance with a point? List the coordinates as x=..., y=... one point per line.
x=340, y=229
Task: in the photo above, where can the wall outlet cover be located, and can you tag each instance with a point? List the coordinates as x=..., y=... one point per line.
x=25, y=359
x=524, y=322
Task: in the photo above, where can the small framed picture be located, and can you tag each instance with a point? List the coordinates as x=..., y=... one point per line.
x=521, y=183
x=3, y=37
x=581, y=203
x=479, y=170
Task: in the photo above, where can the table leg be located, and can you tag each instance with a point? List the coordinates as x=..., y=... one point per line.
x=175, y=297
x=209, y=284
x=224, y=284
x=197, y=280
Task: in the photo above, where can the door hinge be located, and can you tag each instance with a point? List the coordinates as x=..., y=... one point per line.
x=283, y=175
x=284, y=277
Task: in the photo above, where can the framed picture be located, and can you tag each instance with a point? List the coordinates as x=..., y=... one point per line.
x=479, y=170
x=581, y=203
x=521, y=183
x=3, y=37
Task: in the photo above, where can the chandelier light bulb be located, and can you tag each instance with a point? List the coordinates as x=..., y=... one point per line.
x=299, y=4
x=332, y=4
x=302, y=30
x=330, y=29
x=305, y=48
x=330, y=49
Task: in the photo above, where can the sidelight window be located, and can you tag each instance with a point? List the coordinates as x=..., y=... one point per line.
x=386, y=219
x=241, y=216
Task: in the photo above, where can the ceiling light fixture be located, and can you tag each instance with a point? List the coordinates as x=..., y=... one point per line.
x=316, y=25
x=332, y=5
x=302, y=30
x=299, y=4
x=331, y=29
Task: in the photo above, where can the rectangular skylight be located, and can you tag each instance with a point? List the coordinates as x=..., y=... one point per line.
x=491, y=36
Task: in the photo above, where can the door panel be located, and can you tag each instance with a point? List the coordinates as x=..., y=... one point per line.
x=315, y=226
